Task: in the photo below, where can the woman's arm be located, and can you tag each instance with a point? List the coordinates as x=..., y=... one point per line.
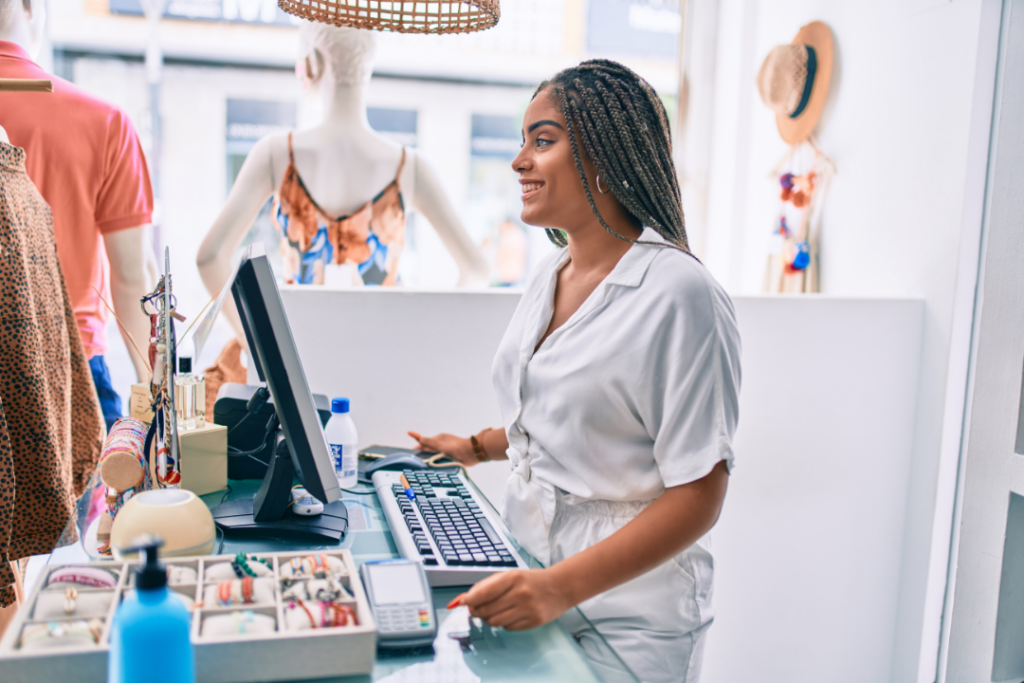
x=520, y=599
x=493, y=441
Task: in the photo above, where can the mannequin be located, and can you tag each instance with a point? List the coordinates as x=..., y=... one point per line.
x=342, y=161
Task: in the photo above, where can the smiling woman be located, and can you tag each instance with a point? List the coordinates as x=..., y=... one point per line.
x=618, y=381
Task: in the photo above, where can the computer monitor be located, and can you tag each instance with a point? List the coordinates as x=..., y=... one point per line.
x=303, y=452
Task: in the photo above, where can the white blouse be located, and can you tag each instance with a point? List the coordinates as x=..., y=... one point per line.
x=636, y=392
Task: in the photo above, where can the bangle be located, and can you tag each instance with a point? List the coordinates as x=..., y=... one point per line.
x=478, y=447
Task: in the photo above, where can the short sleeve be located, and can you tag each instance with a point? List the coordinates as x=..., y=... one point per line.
x=126, y=196
x=692, y=401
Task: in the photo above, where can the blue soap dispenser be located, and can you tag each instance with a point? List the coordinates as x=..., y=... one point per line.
x=150, y=638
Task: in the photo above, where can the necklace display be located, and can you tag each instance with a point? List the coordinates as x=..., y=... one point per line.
x=792, y=255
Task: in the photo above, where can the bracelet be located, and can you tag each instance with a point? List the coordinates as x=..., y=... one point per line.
x=478, y=447
x=226, y=592
x=241, y=564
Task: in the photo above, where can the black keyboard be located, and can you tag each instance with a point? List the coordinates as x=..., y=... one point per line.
x=444, y=526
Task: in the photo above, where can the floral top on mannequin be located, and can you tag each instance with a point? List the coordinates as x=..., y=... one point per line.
x=340, y=166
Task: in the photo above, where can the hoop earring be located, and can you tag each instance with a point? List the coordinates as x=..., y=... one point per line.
x=598, y=183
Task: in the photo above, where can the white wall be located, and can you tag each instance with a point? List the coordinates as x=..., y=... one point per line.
x=808, y=548
x=809, y=545
x=906, y=125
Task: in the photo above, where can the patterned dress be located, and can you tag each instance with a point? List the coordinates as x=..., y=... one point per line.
x=371, y=239
x=51, y=429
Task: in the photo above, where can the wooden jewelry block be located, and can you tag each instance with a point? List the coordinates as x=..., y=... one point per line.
x=103, y=530
x=204, y=459
x=140, y=404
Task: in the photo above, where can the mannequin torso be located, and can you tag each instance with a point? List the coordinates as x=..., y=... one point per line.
x=343, y=164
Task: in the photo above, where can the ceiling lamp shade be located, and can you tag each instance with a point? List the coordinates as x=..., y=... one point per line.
x=400, y=16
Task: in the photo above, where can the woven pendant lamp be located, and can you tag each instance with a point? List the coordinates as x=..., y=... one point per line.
x=400, y=16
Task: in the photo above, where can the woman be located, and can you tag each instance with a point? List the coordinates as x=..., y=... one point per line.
x=618, y=382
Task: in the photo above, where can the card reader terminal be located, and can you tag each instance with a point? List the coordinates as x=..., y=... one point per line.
x=401, y=603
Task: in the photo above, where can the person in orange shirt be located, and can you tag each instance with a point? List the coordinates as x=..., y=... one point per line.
x=85, y=158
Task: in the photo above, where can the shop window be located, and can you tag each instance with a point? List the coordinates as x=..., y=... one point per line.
x=645, y=28
x=395, y=124
x=243, y=11
x=494, y=204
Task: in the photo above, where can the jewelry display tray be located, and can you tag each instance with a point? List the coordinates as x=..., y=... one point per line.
x=284, y=655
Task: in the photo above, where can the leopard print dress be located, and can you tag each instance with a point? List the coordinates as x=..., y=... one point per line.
x=51, y=429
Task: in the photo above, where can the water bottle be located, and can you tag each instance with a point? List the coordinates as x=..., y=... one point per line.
x=344, y=442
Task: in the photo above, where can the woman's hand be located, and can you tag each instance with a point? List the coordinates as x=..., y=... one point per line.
x=518, y=599
x=456, y=447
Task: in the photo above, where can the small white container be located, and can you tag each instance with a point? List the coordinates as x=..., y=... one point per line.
x=344, y=442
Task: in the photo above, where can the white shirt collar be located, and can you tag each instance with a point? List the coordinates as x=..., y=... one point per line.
x=631, y=268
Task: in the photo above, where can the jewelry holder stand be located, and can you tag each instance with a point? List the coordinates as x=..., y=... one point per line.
x=233, y=656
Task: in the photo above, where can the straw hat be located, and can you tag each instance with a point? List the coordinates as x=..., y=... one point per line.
x=437, y=16
x=794, y=79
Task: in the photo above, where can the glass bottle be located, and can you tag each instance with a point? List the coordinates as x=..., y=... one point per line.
x=189, y=396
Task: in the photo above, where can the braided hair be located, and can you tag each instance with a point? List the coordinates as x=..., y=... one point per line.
x=624, y=129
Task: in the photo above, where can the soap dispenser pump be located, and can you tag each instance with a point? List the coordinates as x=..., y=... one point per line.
x=151, y=620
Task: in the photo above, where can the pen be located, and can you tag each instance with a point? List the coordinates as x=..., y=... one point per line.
x=408, y=489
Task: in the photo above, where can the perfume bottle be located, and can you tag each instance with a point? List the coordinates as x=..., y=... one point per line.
x=189, y=396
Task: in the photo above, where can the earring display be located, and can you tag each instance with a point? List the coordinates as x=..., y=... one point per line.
x=266, y=601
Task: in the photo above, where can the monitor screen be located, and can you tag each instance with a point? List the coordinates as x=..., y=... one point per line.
x=277, y=362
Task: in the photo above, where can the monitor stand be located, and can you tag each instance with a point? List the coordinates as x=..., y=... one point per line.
x=268, y=514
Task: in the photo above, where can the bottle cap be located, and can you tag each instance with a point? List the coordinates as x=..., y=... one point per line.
x=151, y=574
x=184, y=364
x=339, y=405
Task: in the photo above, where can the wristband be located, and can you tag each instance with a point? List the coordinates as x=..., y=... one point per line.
x=478, y=448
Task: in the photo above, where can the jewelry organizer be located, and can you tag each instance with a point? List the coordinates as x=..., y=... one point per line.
x=282, y=654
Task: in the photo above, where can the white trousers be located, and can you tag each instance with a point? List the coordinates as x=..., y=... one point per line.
x=655, y=623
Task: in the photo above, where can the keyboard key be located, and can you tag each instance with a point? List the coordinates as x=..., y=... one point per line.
x=479, y=558
x=465, y=558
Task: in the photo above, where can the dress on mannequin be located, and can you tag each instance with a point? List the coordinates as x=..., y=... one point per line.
x=370, y=239
x=342, y=163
